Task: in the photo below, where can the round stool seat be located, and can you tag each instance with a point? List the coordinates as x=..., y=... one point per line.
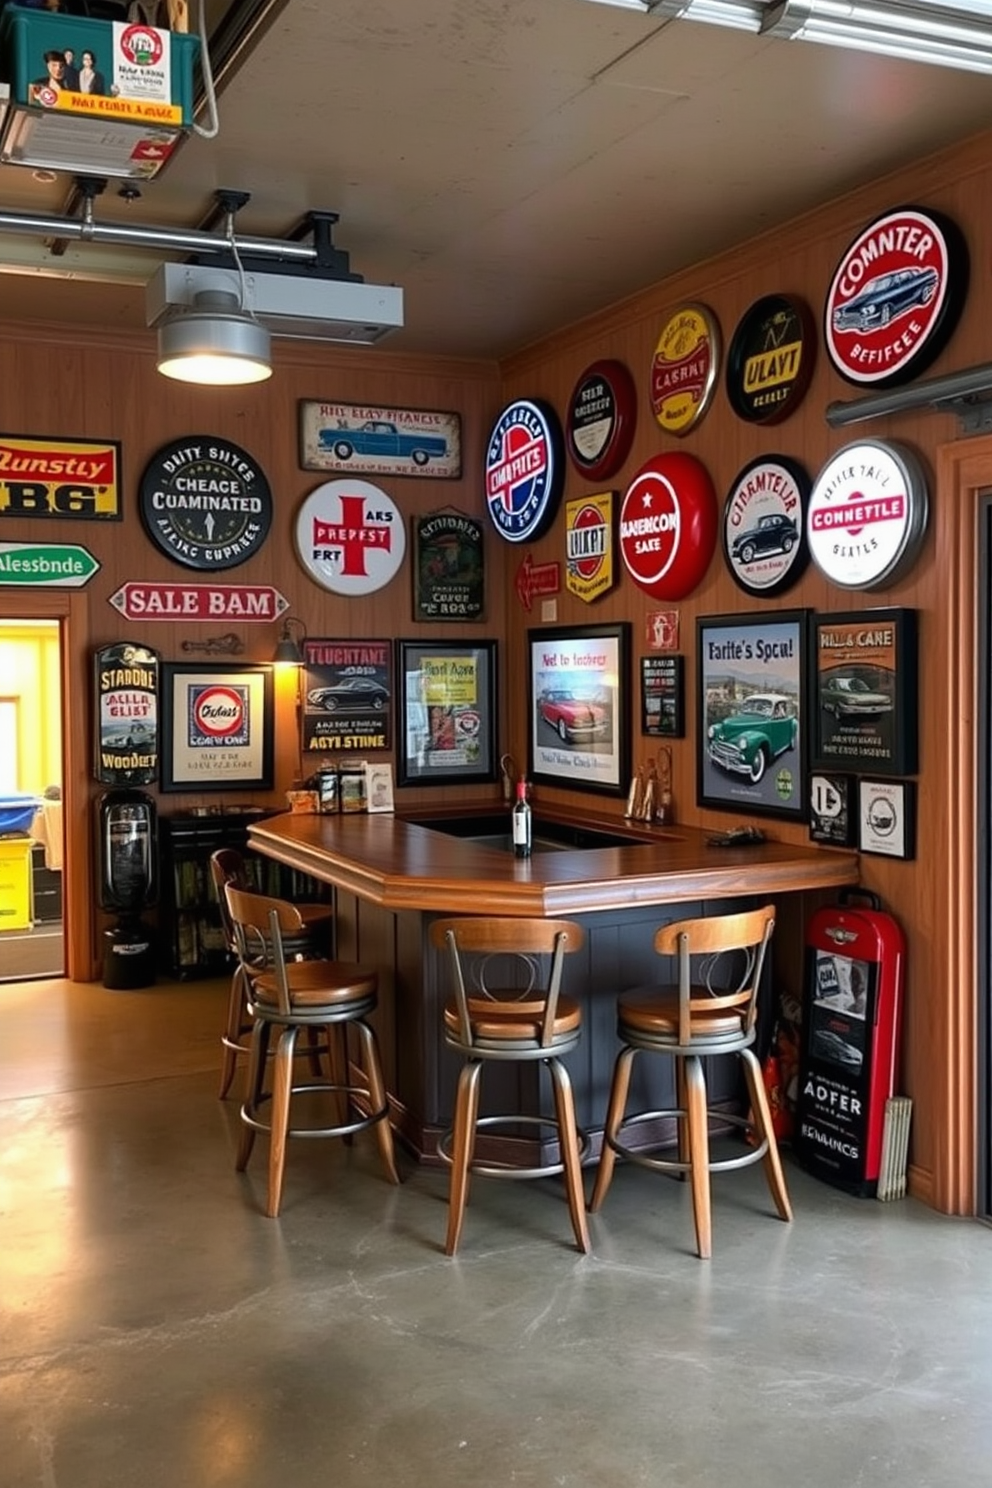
x=655, y=1015
x=519, y=1023
x=316, y=985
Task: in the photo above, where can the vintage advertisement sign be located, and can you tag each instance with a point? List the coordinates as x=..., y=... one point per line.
x=579, y=706
x=668, y=525
x=247, y=603
x=449, y=572
x=770, y=361
x=205, y=502
x=887, y=818
x=590, y=570
x=524, y=470
x=663, y=696
x=602, y=415
x=78, y=479
x=350, y=537
x=764, y=525
x=836, y=1072
x=867, y=514
x=896, y=297
x=661, y=630
x=536, y=579
x=48, y=565
x=866, y=713
x=348, y=695
x=217, y=726
x=831, y=809
x=126, y=692
x=366, y=440
x=685, y=368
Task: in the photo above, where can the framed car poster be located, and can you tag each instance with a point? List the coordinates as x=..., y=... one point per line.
x=864, y=677
x=578, y=703
x=447, y=712
x=663, y=696
x=751, y=726
x=347, y=695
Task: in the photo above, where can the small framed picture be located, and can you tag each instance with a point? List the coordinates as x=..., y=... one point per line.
x=865, y=691
x=579, y=703
x=831, y=809
x=887, y=817
x=663, y=696
x=379, y=787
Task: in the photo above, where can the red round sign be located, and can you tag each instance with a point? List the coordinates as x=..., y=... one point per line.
x=668, y=525
x=218, y=712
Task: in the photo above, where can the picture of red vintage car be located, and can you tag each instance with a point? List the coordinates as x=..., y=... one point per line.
x=574, y=718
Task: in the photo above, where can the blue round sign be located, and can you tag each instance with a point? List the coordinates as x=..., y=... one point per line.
x=524, y=470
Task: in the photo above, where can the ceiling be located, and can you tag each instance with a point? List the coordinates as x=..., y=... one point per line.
x=512, y=164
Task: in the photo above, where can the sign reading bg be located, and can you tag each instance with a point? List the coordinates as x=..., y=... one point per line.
x=60, y=478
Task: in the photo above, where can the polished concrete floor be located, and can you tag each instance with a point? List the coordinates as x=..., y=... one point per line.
x=157, y=1332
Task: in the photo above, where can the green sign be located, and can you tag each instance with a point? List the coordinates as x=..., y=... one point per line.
x=55, y=565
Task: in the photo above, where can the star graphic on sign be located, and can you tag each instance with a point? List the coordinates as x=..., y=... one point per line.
x=647, y=499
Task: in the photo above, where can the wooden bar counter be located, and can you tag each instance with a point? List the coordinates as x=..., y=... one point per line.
x=392, y=875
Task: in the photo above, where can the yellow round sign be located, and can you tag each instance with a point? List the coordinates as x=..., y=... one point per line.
x=684, y=369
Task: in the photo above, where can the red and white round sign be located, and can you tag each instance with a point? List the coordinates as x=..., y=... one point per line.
x=668, y=525
x=350, y=537
x=867, y=514
x=218, y=713
x=895, y=297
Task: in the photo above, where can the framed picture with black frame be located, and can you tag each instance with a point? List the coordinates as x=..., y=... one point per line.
x=865, y=684
x=663, y=696
x=751, y=713
x=217, y=726
x=446, y=697
x=579, y=701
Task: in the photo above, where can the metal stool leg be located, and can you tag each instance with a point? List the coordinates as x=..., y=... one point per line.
x=463, y=1147
x=614, y=1118
x=568, y=1141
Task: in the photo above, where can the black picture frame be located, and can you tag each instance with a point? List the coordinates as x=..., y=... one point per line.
x=751, y=706
x=833, y=809
x=446, y=710
x=887, y=818
x=237, y=755
x=347, y=695
x=663, y=696
x=864, y=684
x=582, y=742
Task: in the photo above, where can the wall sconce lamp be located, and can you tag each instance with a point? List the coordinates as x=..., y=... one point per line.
x=289, y=651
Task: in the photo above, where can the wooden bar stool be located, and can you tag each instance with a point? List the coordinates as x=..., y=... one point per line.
x=529, y=1022
x=689, y=1021
x=290, y=996
x=227, y=866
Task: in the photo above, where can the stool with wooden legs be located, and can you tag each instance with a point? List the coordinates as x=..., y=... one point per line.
x=700, y=1017
x=503, y=1009
x=316, y=939
x=289, y=996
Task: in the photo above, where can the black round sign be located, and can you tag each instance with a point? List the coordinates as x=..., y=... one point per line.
x=205, y=502
x=764, y=525
x=602, y=413
x=770, y=361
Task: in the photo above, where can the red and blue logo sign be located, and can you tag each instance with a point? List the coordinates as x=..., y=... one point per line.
x=524, y=470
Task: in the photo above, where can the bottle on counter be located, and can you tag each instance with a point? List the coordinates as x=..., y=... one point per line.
x=521, y=822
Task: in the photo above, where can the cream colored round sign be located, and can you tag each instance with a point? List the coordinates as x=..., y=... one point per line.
x=867, y=514
x=350, y=537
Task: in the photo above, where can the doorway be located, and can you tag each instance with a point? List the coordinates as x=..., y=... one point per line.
x=32, y=931
x=984, y=884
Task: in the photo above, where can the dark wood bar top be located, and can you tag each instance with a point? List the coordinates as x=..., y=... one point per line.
x=401, y=864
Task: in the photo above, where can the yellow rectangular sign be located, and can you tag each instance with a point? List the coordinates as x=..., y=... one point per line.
x=78, y=479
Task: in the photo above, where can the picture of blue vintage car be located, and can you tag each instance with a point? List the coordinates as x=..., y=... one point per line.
x=885, y=298
x=383, y=438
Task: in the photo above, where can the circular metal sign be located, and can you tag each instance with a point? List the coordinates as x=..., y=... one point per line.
x=350, y=537
x=895, y=297
x=867, y=514
x=684, y=369
x=524, y=470
x=771, y=358
x=764, y=525
x=668, y=525
x=205, y=502
x=602, y=413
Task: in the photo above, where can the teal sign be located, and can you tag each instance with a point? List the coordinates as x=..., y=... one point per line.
x=54, y=565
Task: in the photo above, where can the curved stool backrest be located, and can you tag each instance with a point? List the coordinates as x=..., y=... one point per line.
x=748, y=934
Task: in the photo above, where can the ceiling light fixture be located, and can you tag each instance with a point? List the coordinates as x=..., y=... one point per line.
x=216, y=344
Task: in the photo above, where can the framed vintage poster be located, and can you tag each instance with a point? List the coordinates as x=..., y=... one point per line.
x=750, y=723
x=362, y=440
x=347, y=695
x=217, y=727
x=663, y=696
x=448, y=567
x=832, y=812
x=887, y=817
x=865, y=682
x=447, y=712
x=579, y=700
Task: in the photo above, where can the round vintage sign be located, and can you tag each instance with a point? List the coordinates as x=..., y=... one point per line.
x=770, y=361
x=350, y=537
x=896, y=296
x=205, y=502
x=867, y=514
x=668, y=525
x=602, y=414
x=764, y=525
x=218, y=714
x=684, y=368
x=524, y=470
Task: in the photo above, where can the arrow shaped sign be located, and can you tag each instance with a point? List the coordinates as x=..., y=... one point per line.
x=55, y=565
x=534, y=579
x=243, y=602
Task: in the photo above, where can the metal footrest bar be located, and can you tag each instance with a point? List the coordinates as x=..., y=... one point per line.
x=511, y=1170
x=355, y=1094
x=676, y=1165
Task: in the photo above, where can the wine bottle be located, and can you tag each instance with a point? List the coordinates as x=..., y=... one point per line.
x=521, y=822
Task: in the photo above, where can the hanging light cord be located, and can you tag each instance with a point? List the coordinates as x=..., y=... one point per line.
x=212, y=129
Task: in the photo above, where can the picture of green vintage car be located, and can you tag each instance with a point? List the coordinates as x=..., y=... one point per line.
x=764, y=726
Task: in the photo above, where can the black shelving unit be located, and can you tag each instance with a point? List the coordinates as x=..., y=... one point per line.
x=191, y=937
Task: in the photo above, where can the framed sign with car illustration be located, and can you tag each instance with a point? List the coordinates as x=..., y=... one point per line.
x=579, y=700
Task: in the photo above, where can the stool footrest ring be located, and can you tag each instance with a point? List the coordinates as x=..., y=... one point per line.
x=339, y=1129
x=511, y=1170
x=676, y=1165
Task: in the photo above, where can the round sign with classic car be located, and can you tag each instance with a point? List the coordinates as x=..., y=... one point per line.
x=525, y=470
x=896, y=297
x=668, y=525
x=350, y=537
x=602, y=414
x=685, y=367
x=764, y=525
x=771, y=358
x=205, y=502
x=867, y=514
